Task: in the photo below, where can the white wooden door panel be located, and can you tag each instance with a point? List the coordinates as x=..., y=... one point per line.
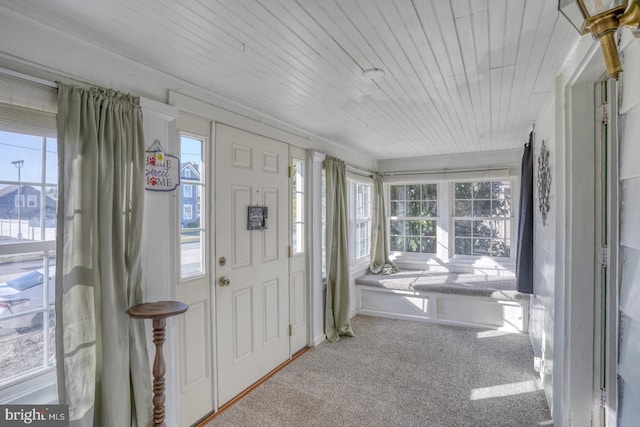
x=240, y=240
x=196, y=363
x=253, y=309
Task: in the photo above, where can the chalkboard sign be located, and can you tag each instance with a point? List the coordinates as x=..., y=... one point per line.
x=257, y=218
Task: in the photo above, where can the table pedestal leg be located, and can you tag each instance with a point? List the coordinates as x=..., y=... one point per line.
x=158, y=311
x=159, y=370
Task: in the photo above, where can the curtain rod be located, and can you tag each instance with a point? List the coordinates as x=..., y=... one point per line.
x=28, y=78
x=358, y=171
x=439, y=172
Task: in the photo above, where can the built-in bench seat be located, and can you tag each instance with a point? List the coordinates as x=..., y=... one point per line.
x=453, y=298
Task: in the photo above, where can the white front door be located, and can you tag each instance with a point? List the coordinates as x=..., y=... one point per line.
x=252, y=266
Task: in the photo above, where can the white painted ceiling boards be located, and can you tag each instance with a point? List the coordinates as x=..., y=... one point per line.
x=459, y=76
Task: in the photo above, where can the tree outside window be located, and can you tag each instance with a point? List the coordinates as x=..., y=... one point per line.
x=413, y=218
x=482, y=218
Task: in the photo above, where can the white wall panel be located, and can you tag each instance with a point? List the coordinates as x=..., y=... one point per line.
x=629, y=414
x=630, y=148
x=629, y=289
x=159, y=248
x=541, y=324
x=631, y=81
x=629, y=344
x=630, y=213
x=628, y=368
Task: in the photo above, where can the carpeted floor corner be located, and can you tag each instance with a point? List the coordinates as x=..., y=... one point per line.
x=401, y=373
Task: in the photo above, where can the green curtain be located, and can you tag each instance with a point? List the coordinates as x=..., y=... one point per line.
x=337, y=318
x=380, y=263
x=103, y=367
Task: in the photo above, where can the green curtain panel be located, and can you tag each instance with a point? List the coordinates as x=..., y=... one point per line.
x=337, y=319
x=380, y=263
x=103, y=367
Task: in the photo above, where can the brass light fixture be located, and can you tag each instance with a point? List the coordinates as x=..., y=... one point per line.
x=602, y=18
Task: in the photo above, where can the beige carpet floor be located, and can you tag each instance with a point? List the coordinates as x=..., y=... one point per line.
x=401, y=373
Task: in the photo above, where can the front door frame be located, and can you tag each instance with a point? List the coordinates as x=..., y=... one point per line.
x=576, y=387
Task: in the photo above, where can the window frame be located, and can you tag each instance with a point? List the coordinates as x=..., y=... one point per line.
x=298, y=193
x=200, y=208
x=353, y=181
x=436, y=218
x=364, y=219
x=514, y=190
x=39, y=383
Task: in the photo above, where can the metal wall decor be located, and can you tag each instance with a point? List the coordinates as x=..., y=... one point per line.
x=544, y=182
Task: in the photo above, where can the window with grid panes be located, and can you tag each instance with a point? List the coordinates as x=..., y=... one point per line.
x=482, y=218
x=362, y=219
x=413, y=218
x=27, y=256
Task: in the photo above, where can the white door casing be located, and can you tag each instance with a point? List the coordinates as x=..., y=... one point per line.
x=252, y=310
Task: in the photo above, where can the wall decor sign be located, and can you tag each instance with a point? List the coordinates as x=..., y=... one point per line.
x=257, y=217
x=161, y=170
x=544, y=182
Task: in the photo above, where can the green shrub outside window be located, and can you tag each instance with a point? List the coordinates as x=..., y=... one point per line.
x=413, y=223
x=482, y=218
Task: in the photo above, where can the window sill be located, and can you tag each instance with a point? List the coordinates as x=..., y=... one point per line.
x=458, y=264
x=39, y=389
x=360, y=263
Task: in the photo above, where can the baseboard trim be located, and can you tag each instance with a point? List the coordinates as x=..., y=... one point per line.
x=319, y=340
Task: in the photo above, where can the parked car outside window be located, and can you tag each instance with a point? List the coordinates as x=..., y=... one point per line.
x=22, y=294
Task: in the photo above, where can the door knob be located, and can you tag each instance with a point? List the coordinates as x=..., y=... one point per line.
x=223, y=281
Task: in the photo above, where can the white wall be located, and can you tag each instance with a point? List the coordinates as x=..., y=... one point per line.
x=630, y=240
x=542, y=301
x=160, y=275
x=563, y=310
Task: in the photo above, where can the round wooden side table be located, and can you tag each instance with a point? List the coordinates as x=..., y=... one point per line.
x=158, y=311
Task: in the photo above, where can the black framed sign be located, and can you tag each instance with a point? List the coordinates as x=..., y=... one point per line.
x=257, y=217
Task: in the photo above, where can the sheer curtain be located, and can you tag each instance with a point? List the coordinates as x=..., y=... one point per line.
x=103, y=368
x=380, y=263
x=337, y=320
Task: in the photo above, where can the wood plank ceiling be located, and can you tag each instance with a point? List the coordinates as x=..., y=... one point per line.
x=459, y=75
